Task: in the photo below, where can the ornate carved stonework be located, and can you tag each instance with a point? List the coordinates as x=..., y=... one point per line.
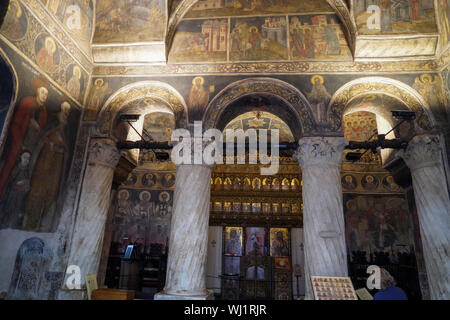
x=286, y=92
x=320, y=151
x=422, y=151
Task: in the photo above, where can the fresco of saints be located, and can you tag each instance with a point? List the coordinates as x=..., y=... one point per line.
x=164, y=208
x=319, y=98
x=100, y=90
x=12, y=203
x=236, y=40
x=331, y=38
x=74, y=86
x=124, y=203
x=198, y=98
x=430, y=89
x=27, y=124
x=47, y=178
x=45, y=56
x=298, y=43
x=12, y=26
x=144, y=208
x=233, y=245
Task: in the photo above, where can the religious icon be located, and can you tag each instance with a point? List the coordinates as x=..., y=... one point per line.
x=144, y=208
x=255, y=238
x=319, y=99
x=168, y=180
x=131, y=180
x=349, y=182
x=48, y=175
x=101, y=88
x=233, y=241
x=74, y=84
x=29, y=122
x=389, y=184
x=15, y=24
x=282, y=263
x=279, y=242
x=47, y=56
x=256, y=184
x=198, y=98
x=369, y=182
x=124, y=203
x=164, y=208
x=149, y=180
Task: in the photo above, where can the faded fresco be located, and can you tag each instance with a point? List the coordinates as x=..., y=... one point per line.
x=77, y=17
x=258, y=39
x=396, y=16
x=130, y=21
x=317, y=37
x=432, y=90
x=377, y=224
x=143, y=212
x=443, y=10
x=28, y=35
x=200, y=40
x=37, y=156
x=221, y=8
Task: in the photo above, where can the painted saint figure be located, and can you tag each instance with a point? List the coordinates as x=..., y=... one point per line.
x=74, y=86
x=319, y=98
x=198, y=98
x=386, y=15
x=12, y=204
x=47, y=178
x=45, y=56
x=29, y=120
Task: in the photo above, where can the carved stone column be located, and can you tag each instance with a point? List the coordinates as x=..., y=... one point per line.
x=424, y=158
x=188, y=241
x=95, y=200
x=323, y=212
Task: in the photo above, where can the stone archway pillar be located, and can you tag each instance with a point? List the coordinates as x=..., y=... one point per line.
x=188, y=242
x=323, y=211
x=95, y=200
x=424, y=158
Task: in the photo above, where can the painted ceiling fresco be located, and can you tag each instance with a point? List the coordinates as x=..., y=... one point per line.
x=76, y=17
x=224, y=8
x=395, y=16
x=259, y=30
x=130, y=21
x=262, y=120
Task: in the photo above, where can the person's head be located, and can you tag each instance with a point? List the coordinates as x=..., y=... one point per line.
x=40, y=87
x=279, y=235
x=369, y=179
x=25, y=158
x=145, y=196
x=348, y=179
x=63, y=115
x=386, y=279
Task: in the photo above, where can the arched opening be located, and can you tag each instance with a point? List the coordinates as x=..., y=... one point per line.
x=255, y=233
x=382, y=226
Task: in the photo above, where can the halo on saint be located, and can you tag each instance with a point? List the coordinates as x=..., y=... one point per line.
x=313, y=79
x=194, y=81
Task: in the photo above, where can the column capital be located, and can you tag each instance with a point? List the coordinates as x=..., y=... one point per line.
x=320, y=151
x=103, y=152
x=422, y=151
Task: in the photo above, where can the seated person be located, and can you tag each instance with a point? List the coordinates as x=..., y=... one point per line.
x=389, y=291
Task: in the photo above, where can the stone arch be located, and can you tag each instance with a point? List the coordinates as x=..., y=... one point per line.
x=339, y=6
x=155, y=90
x=379, y=85
x=6, y=113
x=297, y=104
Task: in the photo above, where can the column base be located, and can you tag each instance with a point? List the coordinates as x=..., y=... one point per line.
x=164, y=296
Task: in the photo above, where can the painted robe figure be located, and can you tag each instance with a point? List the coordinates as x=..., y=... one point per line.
x=45, y=56
x=74, y=85
x=12, y=204
x=319, y=98
x=28, y=122
x=198, y=98
x=386, y=15
x=46, y=181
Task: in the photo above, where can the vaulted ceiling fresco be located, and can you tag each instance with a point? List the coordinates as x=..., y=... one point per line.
x=260, y=30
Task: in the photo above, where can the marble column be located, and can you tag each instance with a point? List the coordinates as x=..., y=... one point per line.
x=424, y=158
x=188, y=242
x=323, y=213
x=95, y=200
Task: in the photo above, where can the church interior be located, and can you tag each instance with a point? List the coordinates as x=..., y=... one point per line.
x=93, y=207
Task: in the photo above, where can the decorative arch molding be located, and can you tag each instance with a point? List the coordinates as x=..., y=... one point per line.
x=288, y=94
x=379, y=85
x=13, y=100
x=339, y=6
x=153, y=90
